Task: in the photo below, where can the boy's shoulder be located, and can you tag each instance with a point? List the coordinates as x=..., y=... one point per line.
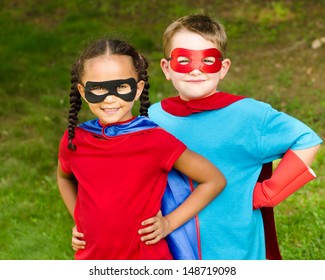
x=254, y=103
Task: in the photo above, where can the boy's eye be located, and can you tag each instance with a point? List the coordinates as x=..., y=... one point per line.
x=183, y=60
x=209, y=60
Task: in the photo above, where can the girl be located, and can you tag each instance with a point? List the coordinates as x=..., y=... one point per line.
x=112, y=171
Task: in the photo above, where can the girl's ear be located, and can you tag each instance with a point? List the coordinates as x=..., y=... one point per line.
x=164, y=64
x=140, y=87
x=224, y=68
x=81, y=90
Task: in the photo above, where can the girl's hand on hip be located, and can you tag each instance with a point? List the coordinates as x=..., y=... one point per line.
x=77, y=240
x=157, y=228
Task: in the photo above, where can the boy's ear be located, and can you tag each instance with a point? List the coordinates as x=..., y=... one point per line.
x=140, y=87
x=164, y=64
x=224, y=68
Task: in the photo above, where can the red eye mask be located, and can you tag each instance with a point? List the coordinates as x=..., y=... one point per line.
x=185, y=61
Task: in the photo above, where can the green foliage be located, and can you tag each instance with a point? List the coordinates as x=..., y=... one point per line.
x=272, y=60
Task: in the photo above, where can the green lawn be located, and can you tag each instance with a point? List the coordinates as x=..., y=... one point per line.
x=270, y=45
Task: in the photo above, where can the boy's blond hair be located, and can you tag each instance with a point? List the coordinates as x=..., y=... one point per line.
x=203, y=25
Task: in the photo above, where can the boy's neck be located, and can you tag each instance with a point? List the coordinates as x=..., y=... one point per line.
x=179, y=107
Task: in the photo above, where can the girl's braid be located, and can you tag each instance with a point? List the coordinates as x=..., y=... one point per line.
x=140, y=64
x=144, y=97
x=75, y=104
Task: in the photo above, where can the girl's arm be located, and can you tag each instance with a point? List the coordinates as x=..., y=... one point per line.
x=68, y=188
x=210, y=183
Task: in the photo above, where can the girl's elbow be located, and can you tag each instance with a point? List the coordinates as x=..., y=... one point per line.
x=222, y=183
x=222, y=180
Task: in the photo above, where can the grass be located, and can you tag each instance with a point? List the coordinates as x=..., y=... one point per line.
x=272, y=60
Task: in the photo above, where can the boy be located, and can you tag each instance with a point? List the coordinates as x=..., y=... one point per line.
x=237, y=134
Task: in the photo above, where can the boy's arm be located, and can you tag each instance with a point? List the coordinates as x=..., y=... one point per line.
x=307, y=155
x=210, y=183
x=291, y=174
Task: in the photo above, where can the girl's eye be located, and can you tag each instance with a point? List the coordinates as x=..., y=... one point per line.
x=124, y=89
x=183, y=60
x=209, y=60
x=98, y=90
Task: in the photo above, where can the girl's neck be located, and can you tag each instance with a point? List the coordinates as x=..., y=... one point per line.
x=117, y=123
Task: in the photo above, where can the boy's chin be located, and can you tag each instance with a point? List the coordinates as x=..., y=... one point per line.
x=194, y=96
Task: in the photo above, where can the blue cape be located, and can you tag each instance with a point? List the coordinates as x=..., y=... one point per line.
x=136, y=124
x=183, y=242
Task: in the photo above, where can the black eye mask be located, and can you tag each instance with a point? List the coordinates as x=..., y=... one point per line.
x=112, y=88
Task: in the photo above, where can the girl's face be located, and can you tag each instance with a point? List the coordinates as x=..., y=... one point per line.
x=196, y=83
x=108, y=68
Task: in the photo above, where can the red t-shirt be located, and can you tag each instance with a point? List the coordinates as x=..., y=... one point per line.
x=121, y=181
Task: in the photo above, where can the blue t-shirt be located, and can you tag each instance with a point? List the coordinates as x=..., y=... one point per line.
x=238, y=139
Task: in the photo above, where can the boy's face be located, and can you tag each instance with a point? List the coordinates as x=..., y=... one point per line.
x=194, y=66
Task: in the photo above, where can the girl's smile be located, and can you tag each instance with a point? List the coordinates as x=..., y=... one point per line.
x=110, y=110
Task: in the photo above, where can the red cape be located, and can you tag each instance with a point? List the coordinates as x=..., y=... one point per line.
x=181, y=108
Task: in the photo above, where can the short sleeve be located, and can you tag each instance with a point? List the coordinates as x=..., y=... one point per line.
x=282, y=132
x=170, y=149
x=63, y=155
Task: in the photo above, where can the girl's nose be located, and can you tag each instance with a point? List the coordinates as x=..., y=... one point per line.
x=110, y=98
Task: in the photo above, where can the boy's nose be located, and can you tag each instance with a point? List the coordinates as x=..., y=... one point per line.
x=195, y=72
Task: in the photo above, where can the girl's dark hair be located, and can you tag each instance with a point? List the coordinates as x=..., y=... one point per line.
x=98, y=48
